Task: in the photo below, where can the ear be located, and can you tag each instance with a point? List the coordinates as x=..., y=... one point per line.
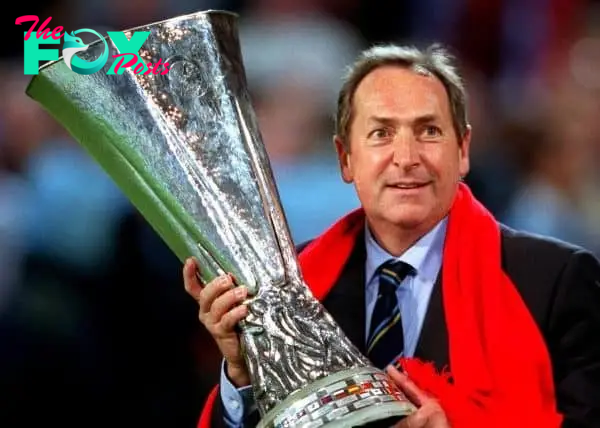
x=343, y=155
x=463, y=153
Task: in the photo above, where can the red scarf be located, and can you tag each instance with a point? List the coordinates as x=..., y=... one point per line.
x=501, y=369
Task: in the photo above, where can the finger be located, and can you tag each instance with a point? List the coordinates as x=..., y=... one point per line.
x=226, y=301
x=416, y=420
x=407, y=386
x=212, y=291
x=232, y=318
x=191, y=275
x=190, y=278
x=404, y=423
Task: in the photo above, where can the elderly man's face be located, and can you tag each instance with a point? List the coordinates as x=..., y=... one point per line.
x=404, y=157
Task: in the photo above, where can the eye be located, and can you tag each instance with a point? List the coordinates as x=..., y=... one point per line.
x=431, y=131
x=380, y=133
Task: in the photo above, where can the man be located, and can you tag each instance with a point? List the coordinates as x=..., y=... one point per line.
x=512, y=317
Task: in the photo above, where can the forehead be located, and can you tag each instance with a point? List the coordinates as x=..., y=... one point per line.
x=394, y=90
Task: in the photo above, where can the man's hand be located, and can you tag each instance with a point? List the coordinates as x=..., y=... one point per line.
x=220, y=311
x=429, y=413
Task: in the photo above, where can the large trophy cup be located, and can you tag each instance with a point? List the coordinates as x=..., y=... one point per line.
x=186, y=150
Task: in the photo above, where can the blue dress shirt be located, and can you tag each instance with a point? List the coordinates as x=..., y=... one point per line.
x=425, y=256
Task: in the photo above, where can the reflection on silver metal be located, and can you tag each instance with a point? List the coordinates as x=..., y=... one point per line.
x=186, y=149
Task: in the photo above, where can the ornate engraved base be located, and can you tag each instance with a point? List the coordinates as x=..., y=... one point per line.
x=345, y=399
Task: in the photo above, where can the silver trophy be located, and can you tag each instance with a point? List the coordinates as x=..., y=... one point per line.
x=185, y=148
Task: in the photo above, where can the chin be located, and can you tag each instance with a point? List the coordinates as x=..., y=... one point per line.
x=409, y=223
x=410, y=218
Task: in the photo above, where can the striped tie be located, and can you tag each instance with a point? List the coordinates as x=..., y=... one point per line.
x=386, y=337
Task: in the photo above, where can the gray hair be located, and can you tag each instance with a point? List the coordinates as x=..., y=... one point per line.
x=433, y=61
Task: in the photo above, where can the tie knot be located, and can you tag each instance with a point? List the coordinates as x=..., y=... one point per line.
x=394, y=271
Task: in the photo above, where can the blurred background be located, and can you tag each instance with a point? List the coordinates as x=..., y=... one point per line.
x=95, y=326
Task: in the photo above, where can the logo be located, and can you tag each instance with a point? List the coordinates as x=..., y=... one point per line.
x=128, y=48
x=73, y=44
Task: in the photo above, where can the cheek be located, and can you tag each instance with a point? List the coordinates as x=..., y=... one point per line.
x=442, y=164
x=371, y=162
x=435, y=164
x=367, y=167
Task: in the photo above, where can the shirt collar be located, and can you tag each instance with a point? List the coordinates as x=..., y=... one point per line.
x=425, y=256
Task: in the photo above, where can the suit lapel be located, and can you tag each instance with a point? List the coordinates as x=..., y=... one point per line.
x=346, y=300
x=433, y=341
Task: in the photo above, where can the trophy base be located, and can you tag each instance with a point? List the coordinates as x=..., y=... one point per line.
x=348, y=398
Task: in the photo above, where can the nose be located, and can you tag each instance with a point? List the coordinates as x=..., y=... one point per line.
x=406, y=152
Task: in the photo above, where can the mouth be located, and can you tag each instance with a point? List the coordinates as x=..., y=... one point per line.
x=409, y=185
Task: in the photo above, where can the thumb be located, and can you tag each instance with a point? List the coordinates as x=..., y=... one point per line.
x=408, y=387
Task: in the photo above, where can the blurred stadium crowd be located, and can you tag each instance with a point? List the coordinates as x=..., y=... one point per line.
x=95, y=327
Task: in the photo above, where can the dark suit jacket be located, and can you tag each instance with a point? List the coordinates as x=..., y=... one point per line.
x=559, y=283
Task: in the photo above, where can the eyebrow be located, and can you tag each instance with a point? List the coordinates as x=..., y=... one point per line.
x=382, y=120
x=426, y=118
